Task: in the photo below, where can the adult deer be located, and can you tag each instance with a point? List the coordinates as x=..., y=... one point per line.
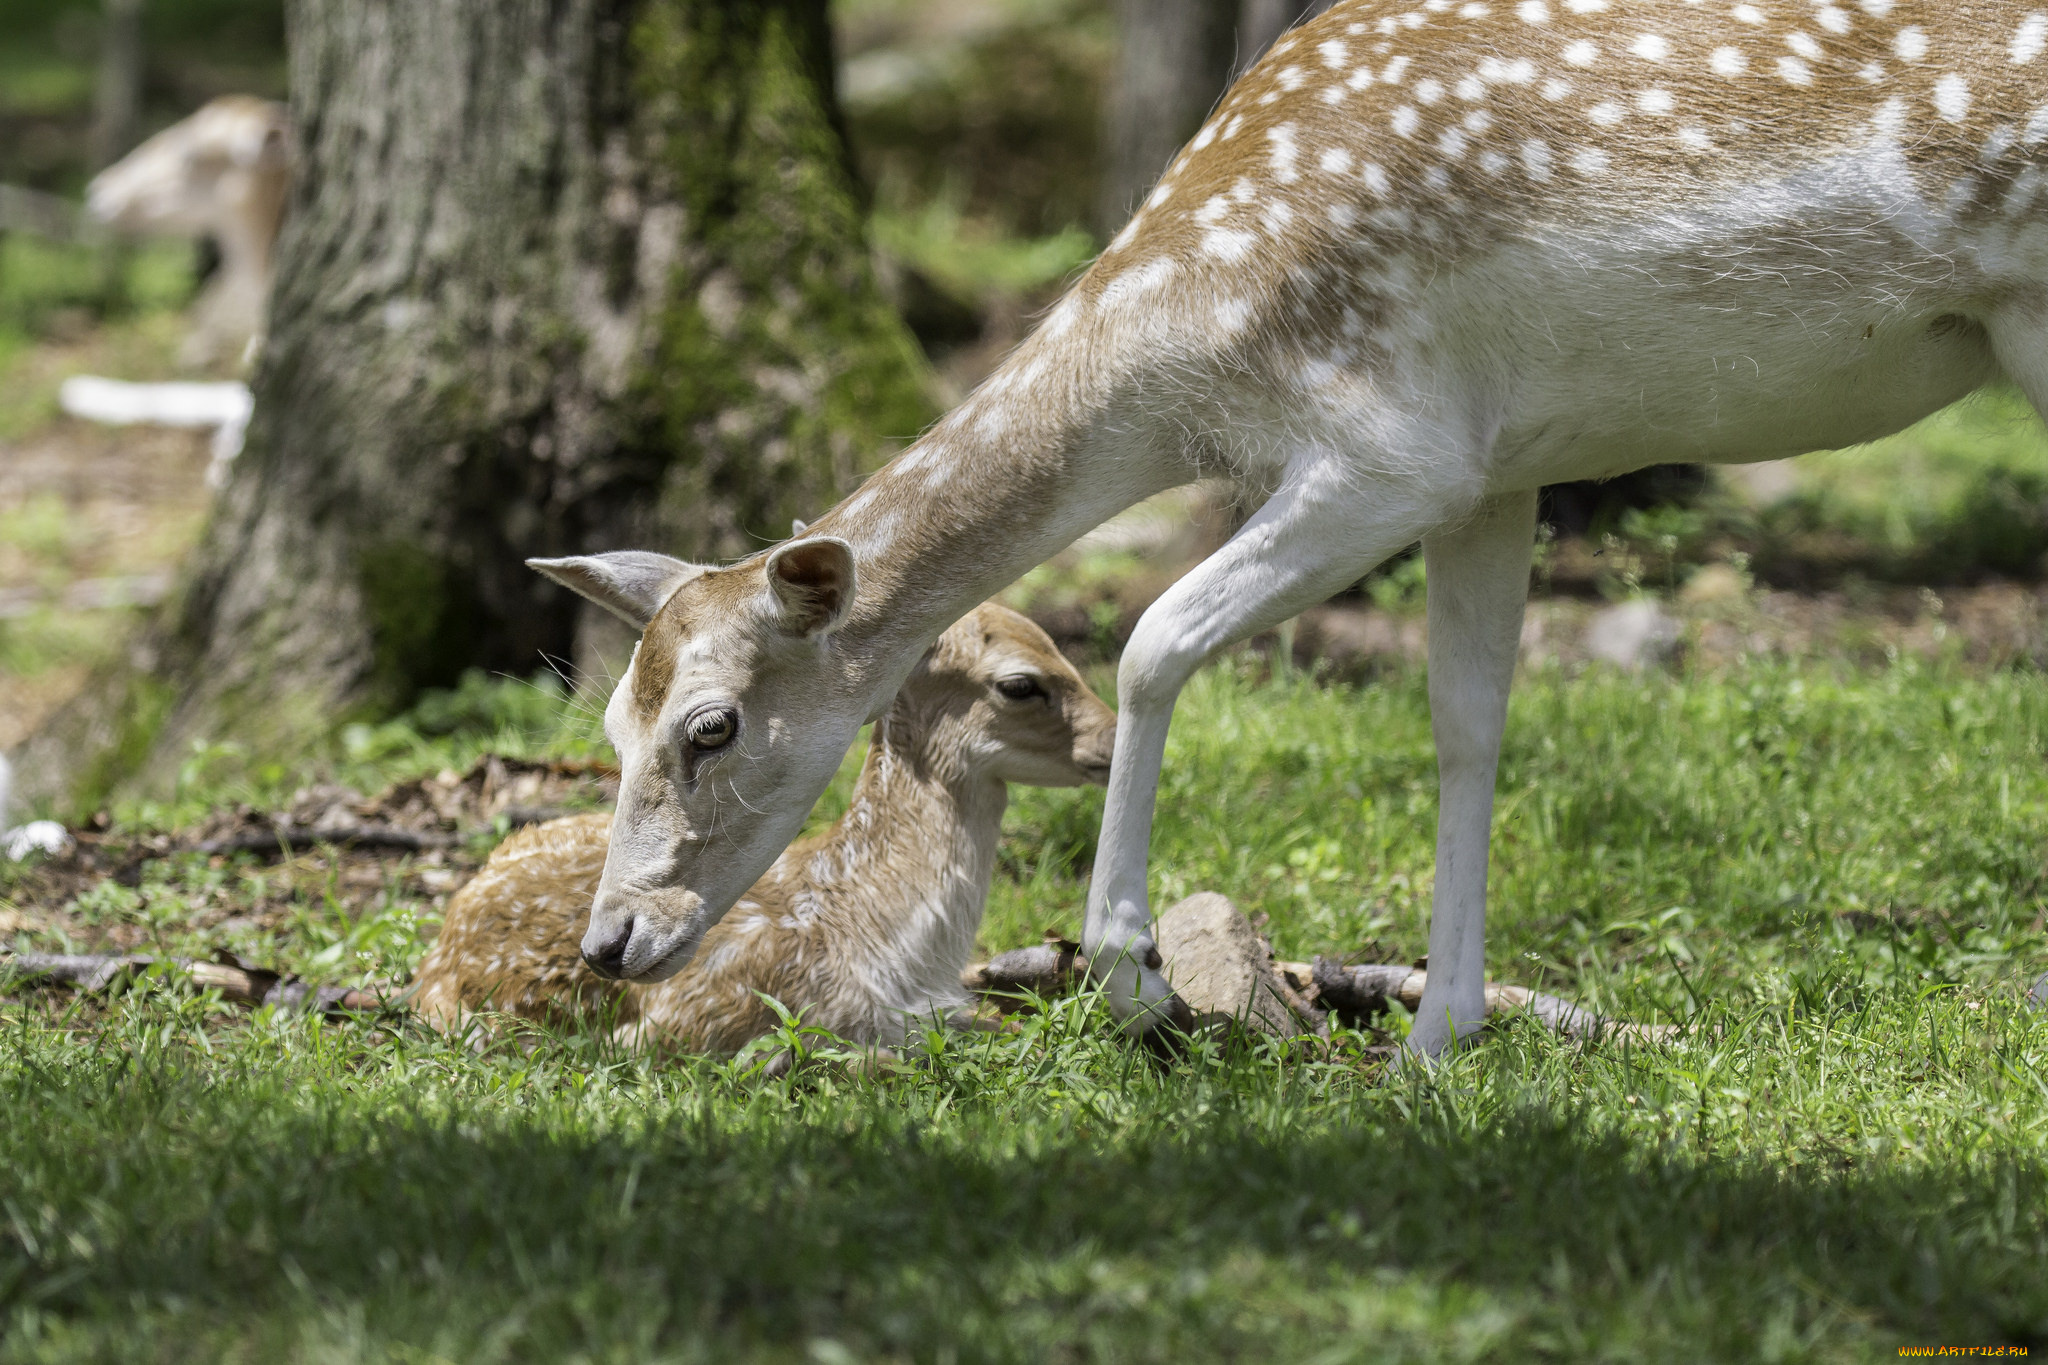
x=1423, y=259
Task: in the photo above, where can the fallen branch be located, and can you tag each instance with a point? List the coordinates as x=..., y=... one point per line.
x=1361, y=990
x=297, y=840
x=1365, y=989
x=253, y=986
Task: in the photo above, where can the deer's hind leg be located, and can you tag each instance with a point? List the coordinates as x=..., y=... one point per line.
x=1327, y=526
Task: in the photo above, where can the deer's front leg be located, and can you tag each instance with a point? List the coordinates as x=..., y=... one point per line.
x=1325, y=528
x=1478, y=586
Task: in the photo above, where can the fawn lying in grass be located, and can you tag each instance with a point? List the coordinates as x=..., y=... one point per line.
x=864, y=928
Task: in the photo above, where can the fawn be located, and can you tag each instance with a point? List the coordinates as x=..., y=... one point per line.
x=1424, y=258
x=864, y=928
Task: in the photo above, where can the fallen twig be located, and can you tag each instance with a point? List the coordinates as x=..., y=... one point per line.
x=1360, y=990
x=244, y=985
x=298, y=840
x=1365, y=989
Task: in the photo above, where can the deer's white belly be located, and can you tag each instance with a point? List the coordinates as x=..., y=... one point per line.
x=1805, y=315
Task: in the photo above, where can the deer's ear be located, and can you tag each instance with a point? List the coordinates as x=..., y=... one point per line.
x=812, y=580
x=630, y=584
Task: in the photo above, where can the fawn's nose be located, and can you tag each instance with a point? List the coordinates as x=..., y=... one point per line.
x=607, y=956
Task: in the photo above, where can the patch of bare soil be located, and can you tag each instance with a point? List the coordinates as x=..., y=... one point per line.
x=93, y=522
x=420, y=839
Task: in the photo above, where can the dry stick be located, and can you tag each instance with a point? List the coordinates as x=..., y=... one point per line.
x=243, y=985
x=1363, y=989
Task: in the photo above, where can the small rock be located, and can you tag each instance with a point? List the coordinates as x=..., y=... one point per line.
x=1715, y=583
x=1220, y=967
x=1631, y=635
x=37, y=836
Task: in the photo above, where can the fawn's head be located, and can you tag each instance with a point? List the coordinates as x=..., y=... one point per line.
x=729, y=722
x=995, y=700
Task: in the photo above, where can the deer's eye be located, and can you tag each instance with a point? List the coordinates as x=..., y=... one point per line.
x=712, y=728
x=1019, y=687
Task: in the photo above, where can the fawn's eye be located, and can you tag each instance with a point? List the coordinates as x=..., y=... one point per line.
x=712, y=728
x=1019, y=686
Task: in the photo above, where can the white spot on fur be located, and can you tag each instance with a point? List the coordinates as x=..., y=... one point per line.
x=1695, y=140
x=1375, y=178
x=1606, y=113
x=1952, y=97
x=1428, y=92
x=1204, y=138
x=1360, y=78
x=1395, y=70
x=1493, y=163
x=1139, y=281
x=1876, y=9
x=1910, y=43
x=1651, y=47
x=1589, y=162
x=1833, y=19
x=1870, y=73
x=1228, y=244
x=1452, y=143
x=1213, y=209
x=1334, y=54
x=2029, y=39
x=1341, y=214
x=1536, y=158
x=1469, y=89
x=1555, y=89
x=1437, y=178
x=1406, y=120
x=1335, y=160
x=1284, y=153
x=1582, y=53
x=1747, y=14
x=1804, y=45
x=1475, y=10
x=1232, y=315
x=1533, y=12
x=1585, y=6
x=1290, y=78
x=1794, y=72
x=1890, y=119
x=1656, y=102
x=1478, y=121
x=1727, y=61
x=2037, y=127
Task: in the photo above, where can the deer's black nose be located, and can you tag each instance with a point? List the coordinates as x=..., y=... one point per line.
x=608, y=959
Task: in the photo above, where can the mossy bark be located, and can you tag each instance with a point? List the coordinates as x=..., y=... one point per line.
x=558, y=276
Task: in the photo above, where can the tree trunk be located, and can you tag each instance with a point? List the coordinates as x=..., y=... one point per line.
x=557, y=276
x=1173, y=62
x=117, y=96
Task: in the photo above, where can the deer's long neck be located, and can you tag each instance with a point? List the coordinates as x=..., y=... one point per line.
x=1038, y=456
x=905, y=872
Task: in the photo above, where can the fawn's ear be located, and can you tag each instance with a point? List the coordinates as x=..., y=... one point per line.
x=630, y=584
x=812, y=580
x=797, y=526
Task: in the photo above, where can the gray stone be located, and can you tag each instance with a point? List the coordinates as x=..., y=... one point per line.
x=1222, y=968
x=1630, y=635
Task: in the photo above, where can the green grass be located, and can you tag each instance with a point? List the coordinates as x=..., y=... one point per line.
x=1832, y=879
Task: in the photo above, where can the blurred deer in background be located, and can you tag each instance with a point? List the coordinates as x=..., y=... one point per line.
x=1425, y=258
x=863, y=929
x=223, y=174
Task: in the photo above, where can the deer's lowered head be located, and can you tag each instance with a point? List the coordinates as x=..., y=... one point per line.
x=730, y=697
